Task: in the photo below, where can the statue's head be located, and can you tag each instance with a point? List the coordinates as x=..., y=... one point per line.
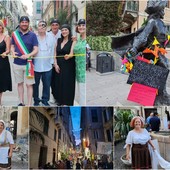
x=156, y=7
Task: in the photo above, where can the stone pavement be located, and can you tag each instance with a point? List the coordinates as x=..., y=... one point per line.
x=119, y=151
x=17, y=163
x=109, y=89
x=11, y=98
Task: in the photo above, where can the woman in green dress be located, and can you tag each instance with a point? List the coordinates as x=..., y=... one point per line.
x=80, y=53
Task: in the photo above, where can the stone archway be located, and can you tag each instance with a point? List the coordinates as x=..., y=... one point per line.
x=13, y=125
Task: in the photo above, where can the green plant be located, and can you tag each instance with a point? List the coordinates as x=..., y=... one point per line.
x=122, y=121
x=64, y=156
x=103, y=17
x=9, y=30
x=100, y=43
x=65, y=15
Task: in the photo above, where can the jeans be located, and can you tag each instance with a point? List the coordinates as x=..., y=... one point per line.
x=46, y=81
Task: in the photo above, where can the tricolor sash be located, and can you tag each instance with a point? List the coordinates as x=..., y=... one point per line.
x=23, y=49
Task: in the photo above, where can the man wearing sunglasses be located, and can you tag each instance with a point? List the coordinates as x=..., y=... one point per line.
x=43, y=64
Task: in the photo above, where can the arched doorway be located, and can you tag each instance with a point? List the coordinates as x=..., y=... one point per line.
x=13, y=124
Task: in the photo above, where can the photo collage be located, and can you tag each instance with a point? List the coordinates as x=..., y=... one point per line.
x=84, y=84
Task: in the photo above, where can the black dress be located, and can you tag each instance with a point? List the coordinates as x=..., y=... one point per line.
x=5, y=71
x=64, y=82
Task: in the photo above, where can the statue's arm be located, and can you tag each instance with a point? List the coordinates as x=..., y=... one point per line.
x=142, y=38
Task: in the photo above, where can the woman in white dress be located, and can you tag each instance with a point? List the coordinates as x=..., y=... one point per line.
x=137, y=140
x=6, y=146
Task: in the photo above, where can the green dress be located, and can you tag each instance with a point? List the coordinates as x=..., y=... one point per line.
x=80, y=48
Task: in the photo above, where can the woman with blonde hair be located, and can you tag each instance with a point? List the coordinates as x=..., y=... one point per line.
x=5, y=72
x=6, y=146
x=138, y=140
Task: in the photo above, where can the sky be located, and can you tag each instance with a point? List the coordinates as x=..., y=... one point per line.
x=75, y=114
x=28, y=3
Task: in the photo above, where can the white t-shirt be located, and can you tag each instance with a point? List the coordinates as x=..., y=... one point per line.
x=138, y=138
x=57, y=36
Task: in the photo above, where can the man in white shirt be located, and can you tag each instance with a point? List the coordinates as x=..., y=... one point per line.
x=43, y=64
x=55, y=31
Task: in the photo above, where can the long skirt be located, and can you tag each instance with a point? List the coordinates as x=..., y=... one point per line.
x=141, y=157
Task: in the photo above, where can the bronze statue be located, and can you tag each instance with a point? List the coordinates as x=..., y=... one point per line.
x=141, y=42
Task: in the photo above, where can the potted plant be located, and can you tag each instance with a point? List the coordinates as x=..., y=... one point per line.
x=122, y=121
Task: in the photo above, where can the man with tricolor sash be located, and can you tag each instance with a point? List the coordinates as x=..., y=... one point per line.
x=24, y=46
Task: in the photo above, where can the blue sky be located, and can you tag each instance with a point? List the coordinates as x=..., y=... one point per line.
x=75, y=114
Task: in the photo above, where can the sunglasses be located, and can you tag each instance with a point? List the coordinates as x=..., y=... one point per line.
x=42, y=25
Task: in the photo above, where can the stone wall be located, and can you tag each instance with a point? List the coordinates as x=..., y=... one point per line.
x=164, y=145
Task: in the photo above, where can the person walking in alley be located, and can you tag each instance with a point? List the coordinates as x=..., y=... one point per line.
x=84, y=162
x=43, y=64
x=78, y=165
x=24, y=45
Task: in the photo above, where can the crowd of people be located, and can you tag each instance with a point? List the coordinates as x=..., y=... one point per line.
x=85, y=163
x=56, y=58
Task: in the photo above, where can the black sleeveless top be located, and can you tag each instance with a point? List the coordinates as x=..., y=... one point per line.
x=5, y=72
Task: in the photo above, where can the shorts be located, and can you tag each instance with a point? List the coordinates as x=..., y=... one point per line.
x=20, y=74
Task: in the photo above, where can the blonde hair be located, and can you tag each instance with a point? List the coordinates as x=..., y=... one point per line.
x=2, y=24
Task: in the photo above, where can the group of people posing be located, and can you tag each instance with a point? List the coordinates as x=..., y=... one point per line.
x=58, y=60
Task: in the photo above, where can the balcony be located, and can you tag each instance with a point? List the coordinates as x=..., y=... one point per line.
x=130, y=13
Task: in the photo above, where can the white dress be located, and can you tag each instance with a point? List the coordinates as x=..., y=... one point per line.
x=138, y=138
x=4, y=150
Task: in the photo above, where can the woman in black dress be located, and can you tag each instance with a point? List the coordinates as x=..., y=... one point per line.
x=5, y=72
x=64, y=82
